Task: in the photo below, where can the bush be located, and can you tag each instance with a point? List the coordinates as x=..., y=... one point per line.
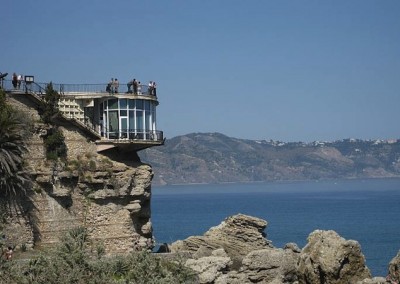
x=73, y=262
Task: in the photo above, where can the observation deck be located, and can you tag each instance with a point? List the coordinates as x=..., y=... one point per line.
x=123, y=117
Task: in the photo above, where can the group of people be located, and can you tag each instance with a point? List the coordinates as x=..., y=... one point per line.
x=152, y=88
x=112, y=86
x=134, y=87
x=16, y=80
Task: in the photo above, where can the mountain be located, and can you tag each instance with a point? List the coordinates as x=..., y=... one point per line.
x=216, y=158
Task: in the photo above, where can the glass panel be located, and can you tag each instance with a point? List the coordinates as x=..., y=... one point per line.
x=123, y=103
x=131, y=104
x=147, y=121
x=113, y=125
x=123, y=112
x=147, y=105
x=113, y=104
x=131, y=124
x=139, y=120
x=124, y=128
x=139, y=104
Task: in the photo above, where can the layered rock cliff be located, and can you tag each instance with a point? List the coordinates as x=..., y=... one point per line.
x=108, y=194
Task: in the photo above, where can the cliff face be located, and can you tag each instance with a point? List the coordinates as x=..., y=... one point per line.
x=107, y=194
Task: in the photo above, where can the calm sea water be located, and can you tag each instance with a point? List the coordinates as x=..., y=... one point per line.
x=364, y=210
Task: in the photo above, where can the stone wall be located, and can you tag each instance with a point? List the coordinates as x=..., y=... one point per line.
x=107, y=194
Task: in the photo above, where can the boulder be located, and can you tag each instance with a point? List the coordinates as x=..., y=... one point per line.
x=210, y=267
x=238, y=235
x=394, y=269
x=270, y=266
x=329, y=258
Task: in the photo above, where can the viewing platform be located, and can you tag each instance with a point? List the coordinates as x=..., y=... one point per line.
x=123, y=117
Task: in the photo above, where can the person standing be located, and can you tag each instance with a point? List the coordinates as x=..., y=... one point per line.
x=19, y=80
x=135, y=86
x=129, y=85
x=111, y=84
x=116, y=85
x=150, y=90
x=14, y=80
x=154, y=88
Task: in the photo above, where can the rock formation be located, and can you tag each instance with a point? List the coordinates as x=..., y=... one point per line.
x=328, y=258
x=394, y=269
x=236, y=251
x=237, y=235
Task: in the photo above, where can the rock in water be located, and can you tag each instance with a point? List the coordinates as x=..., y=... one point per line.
x=394, y=269
x=237, y=235
x=330, y=259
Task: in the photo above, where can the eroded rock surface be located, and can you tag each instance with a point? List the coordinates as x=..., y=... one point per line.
x=237, y=235
x=394, y=269
x=329, y=258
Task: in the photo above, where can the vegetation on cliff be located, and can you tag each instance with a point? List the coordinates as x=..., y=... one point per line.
x=54, y=140
x=13, y=130
x=75, y=260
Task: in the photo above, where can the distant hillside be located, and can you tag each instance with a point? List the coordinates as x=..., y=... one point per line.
x=216, y=158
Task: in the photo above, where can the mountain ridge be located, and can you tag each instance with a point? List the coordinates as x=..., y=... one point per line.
x=217, y=158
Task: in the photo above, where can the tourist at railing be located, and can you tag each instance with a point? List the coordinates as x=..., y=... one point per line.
x=39, y=88
x=116, y=85
x=15, y=80
x=135, y=86
x=20, y=78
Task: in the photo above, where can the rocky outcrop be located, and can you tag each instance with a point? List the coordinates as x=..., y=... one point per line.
x=394, y=269
x=270, y=266
x=249, y=258
x=237, y=235
x=326, y=259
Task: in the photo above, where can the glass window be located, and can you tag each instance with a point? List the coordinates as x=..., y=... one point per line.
x=147, y=105
x=147, y=121
x=131, y=120
x=123, y=103
x=123, y=112
x=113, y=124
x=139, y=104
x=131, y=104
x=113, y=104
x=139, y=120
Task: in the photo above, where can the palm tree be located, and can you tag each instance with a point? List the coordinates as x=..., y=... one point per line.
x=13, y=178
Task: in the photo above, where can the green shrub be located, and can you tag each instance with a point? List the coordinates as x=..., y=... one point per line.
x=72, y=261
x=55, y=145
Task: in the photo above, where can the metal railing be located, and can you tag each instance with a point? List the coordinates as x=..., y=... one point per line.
x=133, y=134
x=65, y=89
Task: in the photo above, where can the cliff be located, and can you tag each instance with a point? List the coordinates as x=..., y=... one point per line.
x=216, y=158
x=107, y=194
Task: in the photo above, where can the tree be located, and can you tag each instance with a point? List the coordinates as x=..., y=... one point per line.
x=13, y=178
x=50, y=108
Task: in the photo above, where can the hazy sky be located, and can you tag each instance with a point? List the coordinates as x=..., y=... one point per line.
x=283, y=70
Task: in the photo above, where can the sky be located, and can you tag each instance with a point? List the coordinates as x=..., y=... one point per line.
x=258, y=69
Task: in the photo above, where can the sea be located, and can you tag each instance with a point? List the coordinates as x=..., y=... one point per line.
x=366, y=210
